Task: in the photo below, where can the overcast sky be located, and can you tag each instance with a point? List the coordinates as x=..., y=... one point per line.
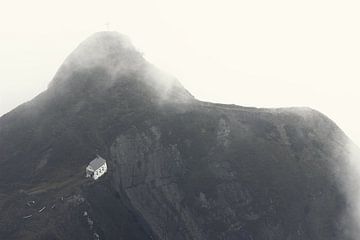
x=252, y=53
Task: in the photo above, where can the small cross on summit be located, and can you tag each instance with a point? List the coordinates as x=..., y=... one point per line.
x=107, y=26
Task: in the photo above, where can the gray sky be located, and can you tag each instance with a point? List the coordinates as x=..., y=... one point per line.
x=252, y=53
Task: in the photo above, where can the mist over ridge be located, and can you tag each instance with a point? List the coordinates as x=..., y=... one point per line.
x=179, y=168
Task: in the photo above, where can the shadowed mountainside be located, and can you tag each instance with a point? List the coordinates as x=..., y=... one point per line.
x=179, y=168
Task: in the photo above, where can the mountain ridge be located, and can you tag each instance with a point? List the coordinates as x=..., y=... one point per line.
x=179, y=168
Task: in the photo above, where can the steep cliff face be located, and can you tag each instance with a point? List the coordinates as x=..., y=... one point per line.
x=179, y=168
x=219, y=173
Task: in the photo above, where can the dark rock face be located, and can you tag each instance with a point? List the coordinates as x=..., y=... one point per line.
x=232, y=174
x=179, y=168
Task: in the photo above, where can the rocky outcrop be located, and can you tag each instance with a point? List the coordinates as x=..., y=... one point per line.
x=149, y=172
x=228, y=182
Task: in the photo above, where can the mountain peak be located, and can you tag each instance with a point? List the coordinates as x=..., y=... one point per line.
x=107, y=41
x=108, y=58
x=110, y=51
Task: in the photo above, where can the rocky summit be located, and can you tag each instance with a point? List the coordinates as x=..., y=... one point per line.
x=177, y=168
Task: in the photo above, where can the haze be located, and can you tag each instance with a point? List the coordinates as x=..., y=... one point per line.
x=250, y=53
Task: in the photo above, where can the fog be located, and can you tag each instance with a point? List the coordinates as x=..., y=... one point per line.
x=350, y=184
x=254, y=54
x=251, y=53
x=257, y=53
